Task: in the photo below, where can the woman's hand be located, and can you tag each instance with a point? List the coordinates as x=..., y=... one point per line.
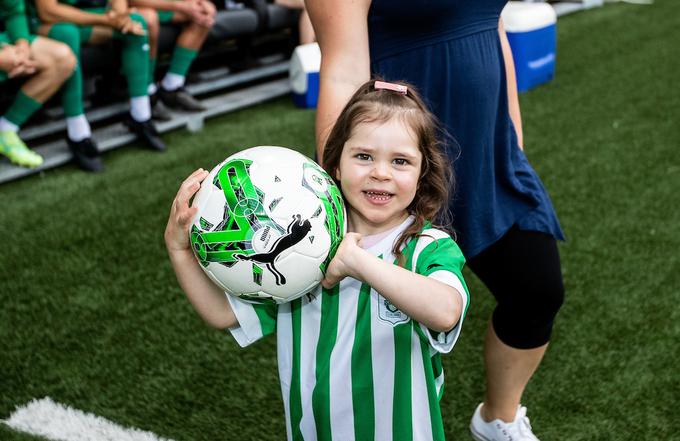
x=177, y=230
x=344, y=263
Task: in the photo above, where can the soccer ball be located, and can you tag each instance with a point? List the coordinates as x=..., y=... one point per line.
x=269, y=221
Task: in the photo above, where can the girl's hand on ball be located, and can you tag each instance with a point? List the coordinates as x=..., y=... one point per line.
x=344, y=263
x=177, y=231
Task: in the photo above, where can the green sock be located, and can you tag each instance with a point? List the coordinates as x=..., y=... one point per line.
x=152, y=69
x=72, y=93
x=72, y=90
x=21, y=109
x=135, y=59
x=181, y=60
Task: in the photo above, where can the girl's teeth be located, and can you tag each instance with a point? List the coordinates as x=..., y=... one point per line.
x=381, y=196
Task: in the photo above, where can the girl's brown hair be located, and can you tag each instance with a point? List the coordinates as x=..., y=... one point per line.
x=435, y=184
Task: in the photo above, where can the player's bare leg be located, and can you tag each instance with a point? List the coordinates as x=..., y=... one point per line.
x=55, y=64
x=153, y=28
x=189, y=43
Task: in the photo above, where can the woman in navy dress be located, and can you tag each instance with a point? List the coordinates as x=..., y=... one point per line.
x=457, y=55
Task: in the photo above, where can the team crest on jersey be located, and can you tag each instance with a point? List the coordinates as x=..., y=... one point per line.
x=389, y=313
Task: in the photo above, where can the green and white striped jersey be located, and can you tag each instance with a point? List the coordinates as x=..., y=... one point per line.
x=351, y=365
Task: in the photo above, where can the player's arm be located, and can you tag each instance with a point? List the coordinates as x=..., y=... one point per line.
x=160, y=5
x=119, y=5
x=16, y=24
x=513, y=96
x=51, y=11
x=209, y=301
x=342, y=32
x=426, y=300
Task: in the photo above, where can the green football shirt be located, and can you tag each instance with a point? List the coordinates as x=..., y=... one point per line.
x=12, y=13
x=351, y=365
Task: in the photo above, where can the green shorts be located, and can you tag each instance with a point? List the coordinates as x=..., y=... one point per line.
x=85, y=30
x=4, y=40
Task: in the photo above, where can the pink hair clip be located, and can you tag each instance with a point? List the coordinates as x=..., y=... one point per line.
x=390, y=86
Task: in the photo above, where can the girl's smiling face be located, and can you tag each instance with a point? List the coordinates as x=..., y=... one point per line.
x=378, y=172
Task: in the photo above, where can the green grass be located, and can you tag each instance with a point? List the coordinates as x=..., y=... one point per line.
x=92, y=317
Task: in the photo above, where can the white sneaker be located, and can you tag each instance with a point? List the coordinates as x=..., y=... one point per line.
x=498, y=430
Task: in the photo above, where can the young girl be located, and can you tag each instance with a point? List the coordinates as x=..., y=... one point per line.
x=359, y=358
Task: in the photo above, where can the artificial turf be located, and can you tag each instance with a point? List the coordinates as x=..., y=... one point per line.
x=92, y=317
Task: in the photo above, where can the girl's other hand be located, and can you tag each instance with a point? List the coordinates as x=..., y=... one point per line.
x=177, y=231
x=344, y=262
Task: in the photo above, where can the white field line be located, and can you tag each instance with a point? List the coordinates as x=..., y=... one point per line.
x=57, y=422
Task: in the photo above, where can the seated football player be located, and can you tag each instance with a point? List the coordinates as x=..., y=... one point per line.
x=45, y=63
x=66, y=21
x=195, y=18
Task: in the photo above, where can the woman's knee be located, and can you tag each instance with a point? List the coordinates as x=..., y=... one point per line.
x=524, y=318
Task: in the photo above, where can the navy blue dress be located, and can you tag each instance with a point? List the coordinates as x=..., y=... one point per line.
x=450, y=50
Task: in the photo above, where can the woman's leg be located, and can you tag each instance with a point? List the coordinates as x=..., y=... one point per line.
x=508, y=370
x=522, y=270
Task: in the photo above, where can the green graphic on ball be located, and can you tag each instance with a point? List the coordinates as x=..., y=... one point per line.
x=268, y=224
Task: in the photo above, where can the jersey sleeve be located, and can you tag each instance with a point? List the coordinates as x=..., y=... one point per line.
x=14, y=16
x=254, y=320
x=438, y=256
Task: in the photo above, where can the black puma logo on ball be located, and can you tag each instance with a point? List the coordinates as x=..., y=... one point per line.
x=297, y=230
